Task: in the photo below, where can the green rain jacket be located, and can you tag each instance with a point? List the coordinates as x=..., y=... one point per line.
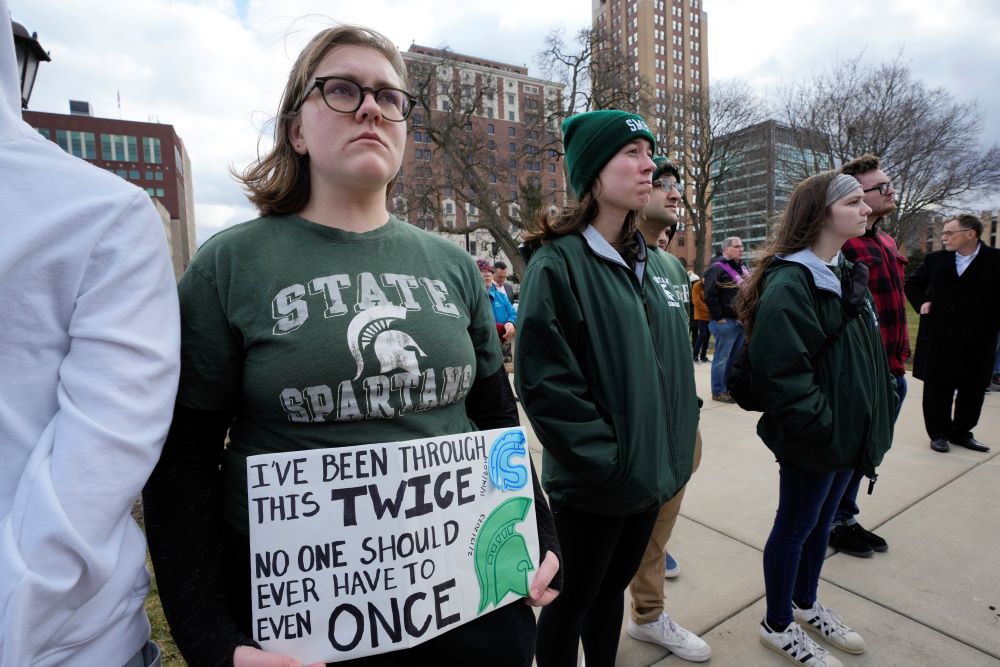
x=605, y=375
x=834, y=413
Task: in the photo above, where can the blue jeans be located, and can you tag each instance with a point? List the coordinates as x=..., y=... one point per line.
x=996, y=360
x=728, y=339
x=848, y=508
x=794, y=553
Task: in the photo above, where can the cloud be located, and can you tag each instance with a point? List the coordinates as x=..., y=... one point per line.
x=215, y=69
x=946, y=43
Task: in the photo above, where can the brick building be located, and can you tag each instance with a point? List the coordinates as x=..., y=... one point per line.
x=149, y=155
x=665, y=44
x=507, y=144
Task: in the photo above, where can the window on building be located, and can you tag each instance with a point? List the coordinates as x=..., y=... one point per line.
x=80, y=144
x=122, y=173
x=151, y=192
x=511, y=131
x=512, y=147
x=133, y=174
x=552, y=168
x=149, y=175
x=159, y=175
x=119, y=148
x=510, y=99
x=418, y=119
x=151, y=150
x=490, y=129
x=510, y=115
x=44, y=132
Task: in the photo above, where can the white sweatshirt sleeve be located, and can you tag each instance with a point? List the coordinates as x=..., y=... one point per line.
x=71, y=557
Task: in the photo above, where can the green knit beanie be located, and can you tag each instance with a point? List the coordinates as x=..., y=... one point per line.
x=591, y=139
x=662, y=165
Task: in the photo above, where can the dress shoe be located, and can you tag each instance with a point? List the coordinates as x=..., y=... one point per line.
x=970, y=443
x=940, y=445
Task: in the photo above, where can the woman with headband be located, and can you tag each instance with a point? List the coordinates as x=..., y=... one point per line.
x=820, y=372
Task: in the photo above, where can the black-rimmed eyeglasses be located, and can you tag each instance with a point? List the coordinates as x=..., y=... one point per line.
x=883, y=188
x=665, y=185
x=346, y=96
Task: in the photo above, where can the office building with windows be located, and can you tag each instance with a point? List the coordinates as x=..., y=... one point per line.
x=149, y=155
x=767, y=161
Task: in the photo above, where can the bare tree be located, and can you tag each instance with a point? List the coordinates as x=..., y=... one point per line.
x=468, y=177
x=929, y=143
x=595, y=73
x=704, y=140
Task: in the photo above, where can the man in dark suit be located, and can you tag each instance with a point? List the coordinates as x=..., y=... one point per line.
x=957, y=293
x=500, y=280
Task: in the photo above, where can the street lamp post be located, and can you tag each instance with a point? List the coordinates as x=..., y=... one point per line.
x=29, y=54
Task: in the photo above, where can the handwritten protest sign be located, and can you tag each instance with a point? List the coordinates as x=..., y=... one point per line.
x=373, y=548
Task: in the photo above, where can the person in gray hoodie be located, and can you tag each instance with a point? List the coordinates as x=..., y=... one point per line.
x=89, y=364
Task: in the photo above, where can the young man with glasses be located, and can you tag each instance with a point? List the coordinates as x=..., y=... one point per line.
x=957, y=293
x=648, y=621
x=885, y=281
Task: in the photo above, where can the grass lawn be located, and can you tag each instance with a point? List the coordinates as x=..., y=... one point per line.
x=912, y=322
x=161, y=633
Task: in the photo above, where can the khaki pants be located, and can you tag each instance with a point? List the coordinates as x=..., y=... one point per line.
x=646, y=587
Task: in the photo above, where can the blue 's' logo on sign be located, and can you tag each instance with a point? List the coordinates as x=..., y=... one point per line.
x=505, y=475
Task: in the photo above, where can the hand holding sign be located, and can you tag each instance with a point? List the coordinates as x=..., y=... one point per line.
x=362, y=550
x=248, y=656
x=540, y=594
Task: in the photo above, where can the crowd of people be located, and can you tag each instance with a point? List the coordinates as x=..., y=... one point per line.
x=115, y=381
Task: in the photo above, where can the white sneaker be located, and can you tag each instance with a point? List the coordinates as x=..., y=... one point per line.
x=830, y=627
x=682, y=643
x=797, y=646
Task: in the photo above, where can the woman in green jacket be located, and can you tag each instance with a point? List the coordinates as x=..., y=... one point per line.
x=604, y=374
x=819, y=369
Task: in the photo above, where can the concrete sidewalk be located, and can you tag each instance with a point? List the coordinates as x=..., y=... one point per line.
x=932, y=599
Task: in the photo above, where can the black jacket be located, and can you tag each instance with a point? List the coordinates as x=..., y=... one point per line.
x=721, y=290
x=956, y=342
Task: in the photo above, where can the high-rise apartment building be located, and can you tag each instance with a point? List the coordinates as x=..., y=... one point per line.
x=503, y=144
x=149, y=155
x=665, y=44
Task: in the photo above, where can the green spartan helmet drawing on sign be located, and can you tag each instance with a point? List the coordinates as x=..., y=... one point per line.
x=501, y=554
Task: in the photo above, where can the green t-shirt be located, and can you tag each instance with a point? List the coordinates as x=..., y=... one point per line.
x=316, y=337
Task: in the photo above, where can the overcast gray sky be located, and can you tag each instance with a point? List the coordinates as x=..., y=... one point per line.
x=215, y=68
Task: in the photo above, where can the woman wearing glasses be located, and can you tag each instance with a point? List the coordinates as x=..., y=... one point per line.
x=325, y=322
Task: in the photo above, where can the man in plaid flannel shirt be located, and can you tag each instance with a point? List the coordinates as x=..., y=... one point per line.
x=885, y=280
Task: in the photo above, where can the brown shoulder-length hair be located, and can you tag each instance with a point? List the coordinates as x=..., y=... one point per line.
x=798, y=228
x=575, y=218
x=278, y=183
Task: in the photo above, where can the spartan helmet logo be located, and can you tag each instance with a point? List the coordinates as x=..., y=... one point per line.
x=501, y=554
x=393, y=349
